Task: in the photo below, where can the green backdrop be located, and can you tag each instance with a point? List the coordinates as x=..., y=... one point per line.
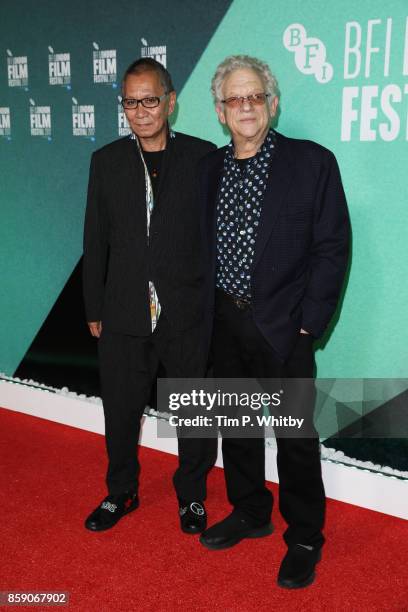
x=343, y=75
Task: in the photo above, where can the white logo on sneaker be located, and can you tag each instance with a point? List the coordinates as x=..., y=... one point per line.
x=306, y=546
x=108, y=506
x=197, y=508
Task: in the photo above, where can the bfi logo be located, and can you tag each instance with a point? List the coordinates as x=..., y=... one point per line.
x=17, y=70
x=59, y=68
x=159, y=52
x=5, y=121
x=83, y=119
x=40, y=120
x=104, y=65
x=310, y=53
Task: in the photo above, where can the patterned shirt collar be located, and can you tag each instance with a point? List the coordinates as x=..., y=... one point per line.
x=170, y=132
x=268, y=143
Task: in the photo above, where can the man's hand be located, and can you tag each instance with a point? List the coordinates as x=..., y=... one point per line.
x=95, y=327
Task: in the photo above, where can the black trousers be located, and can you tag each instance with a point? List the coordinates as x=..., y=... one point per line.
x=239, y=350
x=128, y=369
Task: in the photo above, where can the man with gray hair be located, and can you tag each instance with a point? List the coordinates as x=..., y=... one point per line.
x=277, y=252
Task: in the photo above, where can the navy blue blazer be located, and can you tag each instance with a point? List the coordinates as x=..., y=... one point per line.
x=302, y=246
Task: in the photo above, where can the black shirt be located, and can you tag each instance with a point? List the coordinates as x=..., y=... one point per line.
x=153, y=161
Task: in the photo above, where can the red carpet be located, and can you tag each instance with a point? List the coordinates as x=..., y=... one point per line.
x=52, y=476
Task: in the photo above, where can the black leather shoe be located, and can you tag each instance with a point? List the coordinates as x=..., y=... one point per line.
x=111, y=510
x=297, y=569
x=193, y=517
x=232, y=530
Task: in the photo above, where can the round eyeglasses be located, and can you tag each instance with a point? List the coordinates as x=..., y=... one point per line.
x=149, y=102
x=254, y=100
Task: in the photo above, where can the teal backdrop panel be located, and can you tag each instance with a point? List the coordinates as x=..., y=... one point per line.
x=60, y=70
x=343, y=75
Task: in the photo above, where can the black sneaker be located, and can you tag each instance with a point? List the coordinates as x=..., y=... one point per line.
x=193, y=517
x=297, y=569
x=111, y=510
x=232, y=530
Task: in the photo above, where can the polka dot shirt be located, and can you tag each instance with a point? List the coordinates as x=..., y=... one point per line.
x=239, y=206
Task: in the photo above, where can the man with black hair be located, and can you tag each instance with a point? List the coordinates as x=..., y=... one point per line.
x=143, y=286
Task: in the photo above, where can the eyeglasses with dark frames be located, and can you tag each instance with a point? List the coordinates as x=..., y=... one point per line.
x=149, y=102
x=254, y=99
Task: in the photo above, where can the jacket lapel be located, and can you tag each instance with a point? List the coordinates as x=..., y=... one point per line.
x=277, y=187
x=210, y=183
x=168, y=162
x=136, y=171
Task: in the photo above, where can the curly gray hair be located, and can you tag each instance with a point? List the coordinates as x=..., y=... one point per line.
x=235, y=62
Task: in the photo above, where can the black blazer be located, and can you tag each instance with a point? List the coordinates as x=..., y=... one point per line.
x=302, y=246
x=118, y=261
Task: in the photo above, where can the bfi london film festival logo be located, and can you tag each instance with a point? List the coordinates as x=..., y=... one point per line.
x=59, y=68
x=83, y=119
x=374, y=98
x=17, y=70
x=159, y=52
x=375, y=67
x=104, y=65
x=40, y=120
x=5, y=122
x=310, y=53
x=123, y=126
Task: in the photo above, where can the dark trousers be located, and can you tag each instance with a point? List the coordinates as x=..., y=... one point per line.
x=240, y=351
x=128, y=370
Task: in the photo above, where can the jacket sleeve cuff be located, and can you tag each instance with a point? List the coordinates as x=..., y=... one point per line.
x=316, y=316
